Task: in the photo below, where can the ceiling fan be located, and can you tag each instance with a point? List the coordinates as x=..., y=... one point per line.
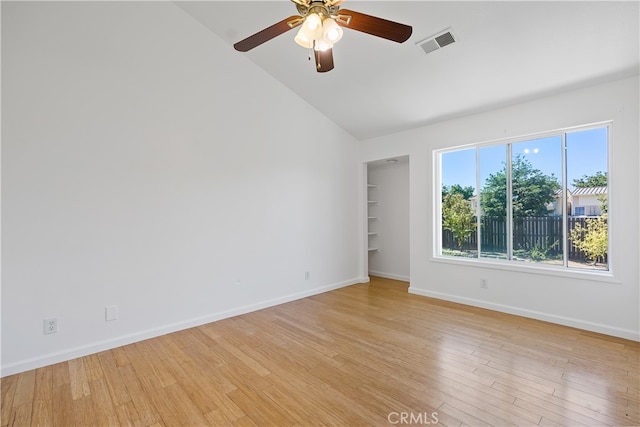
x=321, y=22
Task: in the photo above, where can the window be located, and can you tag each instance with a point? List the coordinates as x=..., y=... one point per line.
x=541, y=200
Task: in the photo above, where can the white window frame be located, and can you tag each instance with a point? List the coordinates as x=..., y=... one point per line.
x=509, y=264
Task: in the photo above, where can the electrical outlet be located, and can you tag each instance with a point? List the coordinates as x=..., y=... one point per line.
x=307, y=275
x=483, y=284
x=110, y=313
x=50, y=326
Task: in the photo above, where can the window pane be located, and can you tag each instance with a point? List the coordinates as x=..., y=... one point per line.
x=459, y=202
x=493, y=202
x=539, y=201
x=536, y=171
x=587, y=179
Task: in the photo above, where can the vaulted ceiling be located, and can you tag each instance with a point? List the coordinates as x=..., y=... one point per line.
x=504, y=53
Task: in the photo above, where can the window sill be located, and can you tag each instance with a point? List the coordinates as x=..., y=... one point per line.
x=591, y=275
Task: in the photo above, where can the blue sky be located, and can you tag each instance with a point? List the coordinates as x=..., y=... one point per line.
x=586, y=155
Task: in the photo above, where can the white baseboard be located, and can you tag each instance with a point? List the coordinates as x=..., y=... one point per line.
x=532, y=314
x=389, y=275
x=95, y=347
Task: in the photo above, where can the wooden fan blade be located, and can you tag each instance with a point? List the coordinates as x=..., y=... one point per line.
x=375, y=26
x=268, y=33
x=324, y=60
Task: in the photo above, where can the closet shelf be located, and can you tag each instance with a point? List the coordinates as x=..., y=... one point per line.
x=370, y=203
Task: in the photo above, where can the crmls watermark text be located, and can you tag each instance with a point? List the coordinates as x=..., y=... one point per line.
x=424, y=418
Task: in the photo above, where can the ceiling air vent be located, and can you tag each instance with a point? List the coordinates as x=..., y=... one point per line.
x=437, y=41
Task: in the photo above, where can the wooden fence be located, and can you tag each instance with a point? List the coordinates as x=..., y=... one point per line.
x=542, y=233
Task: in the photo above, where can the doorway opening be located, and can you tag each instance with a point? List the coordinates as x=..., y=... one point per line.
x=387, y=218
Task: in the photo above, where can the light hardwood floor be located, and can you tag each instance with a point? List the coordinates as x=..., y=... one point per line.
x=368, y=354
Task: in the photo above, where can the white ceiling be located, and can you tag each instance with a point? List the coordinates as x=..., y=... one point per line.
x=505, y=52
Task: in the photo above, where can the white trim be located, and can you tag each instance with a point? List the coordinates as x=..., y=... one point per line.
x=532, y=268
x=389, y=275
x=564, y=201
x=527, y=136
x=84, y=350
x=363, y=215
x=611, y=221
x=509, y=207
x=533, y=314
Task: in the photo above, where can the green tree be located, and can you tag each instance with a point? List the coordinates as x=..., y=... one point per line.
x=604, y=204
x=592, y=239
x=532, y=190
x=598, y=179
x=458, y=217
x=467, y=192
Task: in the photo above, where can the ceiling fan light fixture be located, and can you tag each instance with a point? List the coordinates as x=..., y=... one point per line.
x=312, y=26
x=317, y=33
x=302, y=39
x=331, y=31
x=322, y=45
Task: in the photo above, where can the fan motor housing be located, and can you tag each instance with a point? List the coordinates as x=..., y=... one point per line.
x=317, y=7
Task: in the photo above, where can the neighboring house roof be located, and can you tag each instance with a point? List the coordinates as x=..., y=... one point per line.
x=558, y=192
x=589, y=191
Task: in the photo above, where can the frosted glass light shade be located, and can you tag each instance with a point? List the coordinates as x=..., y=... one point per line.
x=317, y=33
x=312, y=26
x=322, y=45
x=302, y=39
x=331, y=31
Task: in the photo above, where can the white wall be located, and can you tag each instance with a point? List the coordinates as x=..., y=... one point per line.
x=146, y=164
x=610, y=307
x=392, y=210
